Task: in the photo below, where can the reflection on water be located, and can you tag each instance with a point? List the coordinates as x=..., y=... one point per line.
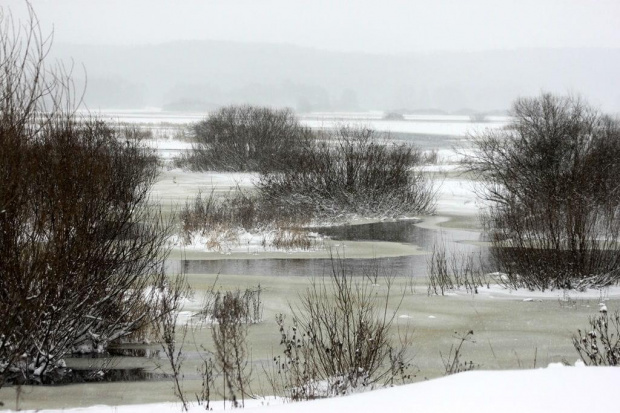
x=73, y=376
x=399, y=231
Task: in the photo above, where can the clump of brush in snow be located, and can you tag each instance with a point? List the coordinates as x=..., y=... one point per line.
x=339, y=339
x=599, y=344
x=242, y=222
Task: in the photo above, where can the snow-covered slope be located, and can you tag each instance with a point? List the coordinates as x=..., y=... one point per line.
x=554, y=389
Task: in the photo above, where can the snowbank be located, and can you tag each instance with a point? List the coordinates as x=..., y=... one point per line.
x=554, y=389
x=600, y=294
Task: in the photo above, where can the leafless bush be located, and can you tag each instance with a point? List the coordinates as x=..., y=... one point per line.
x=459, y=270
x=231, y=351
x=550, y=179
x=292, y=239
x=227, y=369
x=134, y=132
x=219, y=220
x=430, y=157
x=339, y=339
x=169, y=306
x=355, y=171
x=599, y=344
x=247, y=138
x=247, y=304
x=207, y=373
x=453, y=362
x=236, y=210
x=82, y=251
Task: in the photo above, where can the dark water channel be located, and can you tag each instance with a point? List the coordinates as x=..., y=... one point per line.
x=406, y=232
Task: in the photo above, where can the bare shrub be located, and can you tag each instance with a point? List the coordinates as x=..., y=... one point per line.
x=231, y=350
x=453, y=362
x=247, y=138
x=550, y=179
x=599, y=344
x=172, y=296
x=134, y=132
x=236, y=210
x=355, y=170
x=207, y=372
x=82, y=251
x=338, y=339
x=247, y=304
x=456, y=271
x=219, y=220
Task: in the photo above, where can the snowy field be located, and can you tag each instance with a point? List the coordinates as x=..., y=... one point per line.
x=553, y=389
x=427, y=127
x=418, y=124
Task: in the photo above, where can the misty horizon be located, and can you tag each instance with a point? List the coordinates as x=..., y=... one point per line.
x=321, y=55
x=202, y=75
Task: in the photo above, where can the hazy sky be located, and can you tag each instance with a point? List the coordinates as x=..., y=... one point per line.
x=390, y=26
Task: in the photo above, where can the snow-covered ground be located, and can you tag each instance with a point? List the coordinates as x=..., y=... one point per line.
x=167, y=144
x=176, y=186
x=422, y=124
x=239, y=240
x=553, y=389
x=499, y=292
x=457, y=197
x=427, y=127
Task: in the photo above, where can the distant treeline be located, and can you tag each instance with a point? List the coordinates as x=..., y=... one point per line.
x=200, y=76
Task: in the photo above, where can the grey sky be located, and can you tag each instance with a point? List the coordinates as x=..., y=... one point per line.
x=386, y=26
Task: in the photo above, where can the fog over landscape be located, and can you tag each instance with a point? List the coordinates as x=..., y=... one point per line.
x=201, y=75
x=309, y=205
x=449, y=56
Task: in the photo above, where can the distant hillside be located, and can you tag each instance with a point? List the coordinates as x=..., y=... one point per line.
x=208, y=73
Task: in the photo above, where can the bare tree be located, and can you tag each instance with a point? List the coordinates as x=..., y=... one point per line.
x=550, y=180
x=82, y=251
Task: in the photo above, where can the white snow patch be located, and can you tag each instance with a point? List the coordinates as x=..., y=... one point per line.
x=542, y=390
x=457, y=197
x=498, y=291
x=242, y=241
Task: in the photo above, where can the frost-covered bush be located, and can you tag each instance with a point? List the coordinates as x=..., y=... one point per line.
x=352, y=170
x=246, y=138
x=550, y=179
